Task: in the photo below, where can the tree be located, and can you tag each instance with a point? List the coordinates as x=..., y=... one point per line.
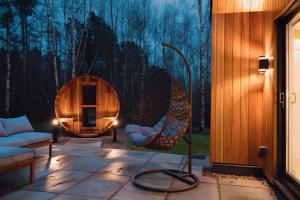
x=25, y=9
x=73, y=41
x=7, y=19
x=202, y=80
x=50, y=12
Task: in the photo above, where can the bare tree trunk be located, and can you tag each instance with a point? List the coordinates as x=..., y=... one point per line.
x=143, y=71
x=7, y=90
x=202, y=81
x=53, y=49
x=124, y=77
x=24, y=48
x=113, y=40
x=73, y=41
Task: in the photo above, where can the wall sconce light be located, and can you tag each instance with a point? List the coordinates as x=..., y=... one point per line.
x=263, y=64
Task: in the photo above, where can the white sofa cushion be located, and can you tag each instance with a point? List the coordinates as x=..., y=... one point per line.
x=12, y=155
x=2, y=130
x=16, y=125
x=33, y=137
x=13, y=141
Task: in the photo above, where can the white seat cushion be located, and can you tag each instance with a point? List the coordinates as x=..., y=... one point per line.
x=13, y=141
x=140, y=135
x=33, y=137
x=16, y=125
x=12, y=155
x=159, y=125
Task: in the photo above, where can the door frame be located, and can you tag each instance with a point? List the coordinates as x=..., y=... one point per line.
x=281, y=22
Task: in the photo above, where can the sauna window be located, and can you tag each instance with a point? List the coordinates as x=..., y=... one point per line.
x=89, y=95
x=89, y=117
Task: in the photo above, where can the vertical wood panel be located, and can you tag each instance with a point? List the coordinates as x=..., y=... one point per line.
x=236, y=90
x=228, y=111
x=245, y=71
x=219, y=86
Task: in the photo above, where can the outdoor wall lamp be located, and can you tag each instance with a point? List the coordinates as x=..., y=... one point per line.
x=263, y=64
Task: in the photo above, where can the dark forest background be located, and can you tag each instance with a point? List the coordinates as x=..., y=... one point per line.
x=45, y=43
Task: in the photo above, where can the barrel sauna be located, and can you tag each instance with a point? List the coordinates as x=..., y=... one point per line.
x=87, y=106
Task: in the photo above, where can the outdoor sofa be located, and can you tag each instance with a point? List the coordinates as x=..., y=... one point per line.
x=17, y=140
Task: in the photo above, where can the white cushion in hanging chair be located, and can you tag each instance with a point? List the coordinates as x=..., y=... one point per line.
x=142, y=135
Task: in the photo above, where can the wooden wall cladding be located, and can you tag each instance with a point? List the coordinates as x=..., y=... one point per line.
x=243, y=105
x=69, y=106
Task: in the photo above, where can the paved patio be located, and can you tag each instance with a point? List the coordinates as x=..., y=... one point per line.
x=77, y=172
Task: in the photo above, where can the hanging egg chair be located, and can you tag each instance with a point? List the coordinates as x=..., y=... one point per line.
x=164, y=117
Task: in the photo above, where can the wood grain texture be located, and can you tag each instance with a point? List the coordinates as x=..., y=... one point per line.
x=69, y=106
x=243, y=102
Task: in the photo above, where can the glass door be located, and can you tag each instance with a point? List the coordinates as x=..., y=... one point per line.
x=292, y=103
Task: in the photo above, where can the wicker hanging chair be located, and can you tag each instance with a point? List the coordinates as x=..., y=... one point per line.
x=164, y=99
x=164, y=118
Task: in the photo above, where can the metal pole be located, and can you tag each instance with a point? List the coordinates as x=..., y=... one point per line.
x=114, y=140
x=188, y=68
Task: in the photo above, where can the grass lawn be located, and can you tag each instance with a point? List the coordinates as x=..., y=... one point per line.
x=200, y=146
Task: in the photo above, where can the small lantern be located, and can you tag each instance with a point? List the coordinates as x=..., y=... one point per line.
x=56, y=129
x=55, y=122
x=115, y=123
x=263, y=64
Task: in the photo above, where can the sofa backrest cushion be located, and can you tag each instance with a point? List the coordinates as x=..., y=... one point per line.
x=16, y=125
x=2, y=130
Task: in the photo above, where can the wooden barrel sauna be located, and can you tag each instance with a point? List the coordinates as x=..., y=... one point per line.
x=87, y=106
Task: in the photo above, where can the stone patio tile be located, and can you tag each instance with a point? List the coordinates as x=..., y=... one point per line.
x=241, y=182
x=56, y=162
x=88, y=164
x=199, y=163
x=82, y=153
x=72, y=197
x=202, y=191
x=229, y=192
x=103, y=153
x=89, y=142
x=155, y=165
x=204, y=178
x=137, y=155
x=28, y=195
x=58, y=181
x=131, y=192
x=8, y=181
x=116, y=153
x=99, y=185
x=123, y=167
x=167, y=158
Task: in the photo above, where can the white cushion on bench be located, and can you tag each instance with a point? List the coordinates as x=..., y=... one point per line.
x=13, y=141
x=16, y=125
x=13, y=155
x=33, y=137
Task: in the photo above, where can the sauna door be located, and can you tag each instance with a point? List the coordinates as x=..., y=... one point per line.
x=291, y=95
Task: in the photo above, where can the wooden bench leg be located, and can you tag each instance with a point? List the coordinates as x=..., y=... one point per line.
x=32, y=172
x=50, y=150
